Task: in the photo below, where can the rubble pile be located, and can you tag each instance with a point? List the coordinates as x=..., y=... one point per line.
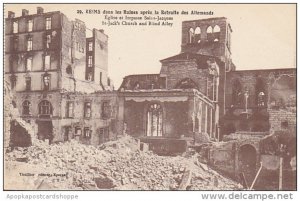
x=118, y=165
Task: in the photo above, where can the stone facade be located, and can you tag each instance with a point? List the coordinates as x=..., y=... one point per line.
x=59, y=77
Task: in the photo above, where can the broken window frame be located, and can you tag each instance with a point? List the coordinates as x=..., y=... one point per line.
x=26, y=107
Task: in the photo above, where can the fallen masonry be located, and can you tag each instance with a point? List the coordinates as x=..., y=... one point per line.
x=117, y=165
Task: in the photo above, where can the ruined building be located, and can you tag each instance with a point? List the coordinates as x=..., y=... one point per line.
x=199, y=94
x=58, y=77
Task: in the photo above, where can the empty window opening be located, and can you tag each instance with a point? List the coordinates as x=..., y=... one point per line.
x=29, y=43
x=197, y=34
x=209, y=29
x=48, y=23
x=191, y=35
x=48, y=41
x=29, y=25
x=29, y=64
x=217, y=29
x=15, y=27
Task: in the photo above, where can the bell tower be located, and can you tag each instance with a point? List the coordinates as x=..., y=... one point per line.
x=210, y=36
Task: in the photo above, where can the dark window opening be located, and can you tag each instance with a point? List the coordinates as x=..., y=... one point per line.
x=45, y=108
x=46, y=81
x=106, y=110
x=13, y=81
x=103, y=135
x=87, y=132
x=69, y=70
x=87, y=109
x=284, y=124
x=28, y=83
x=237, y=95
x=15, y=44
x=26, y=108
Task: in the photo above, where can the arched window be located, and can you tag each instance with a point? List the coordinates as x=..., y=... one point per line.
x=216, y=40
x=260, y=92
x=154, y=120
x=261, y=99
x=26, y=107
x=209, y=29
x=237, y=95
x=217, y=29
x=45, y=108
x=197, y=35
x=191, y=35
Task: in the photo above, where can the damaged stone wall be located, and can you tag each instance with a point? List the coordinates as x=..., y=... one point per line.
x=12, y=116
x=76, y=119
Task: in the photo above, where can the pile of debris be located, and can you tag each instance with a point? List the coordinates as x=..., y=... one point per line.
x=118, y=165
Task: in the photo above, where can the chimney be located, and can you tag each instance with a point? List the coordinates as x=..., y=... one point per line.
x=39, y=10
x=10, y=14
x=25, y=12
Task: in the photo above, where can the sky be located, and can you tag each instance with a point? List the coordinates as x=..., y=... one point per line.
x=264, y=35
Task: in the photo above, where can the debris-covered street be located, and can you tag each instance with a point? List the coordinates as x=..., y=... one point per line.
x=114, y=165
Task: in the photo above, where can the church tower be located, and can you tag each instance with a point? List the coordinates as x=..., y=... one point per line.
x=211, y=37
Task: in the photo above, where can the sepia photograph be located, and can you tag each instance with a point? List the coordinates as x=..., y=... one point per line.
x=149, y=97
